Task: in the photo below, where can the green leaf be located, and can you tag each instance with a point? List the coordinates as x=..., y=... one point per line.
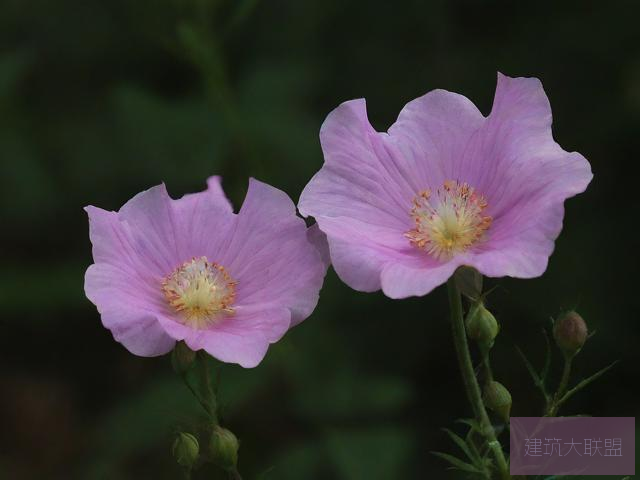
x=582, y=384
x=457, y=463
x=472, y=423
x=463, y=445
x=537, y=380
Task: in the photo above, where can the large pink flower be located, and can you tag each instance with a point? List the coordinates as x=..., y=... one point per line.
x=444, y=187
x=192, y=270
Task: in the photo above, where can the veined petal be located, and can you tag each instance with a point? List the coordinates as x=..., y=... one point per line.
x=242, y=338
x=433, y=132
x=192, y=269
x=271, y=256
x=402, y=281
x=361, y=179
x=128, y=307
x=526, y=176
x=445, y=187
x=202, y=222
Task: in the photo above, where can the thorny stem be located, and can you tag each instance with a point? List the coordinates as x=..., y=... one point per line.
x=470, y=381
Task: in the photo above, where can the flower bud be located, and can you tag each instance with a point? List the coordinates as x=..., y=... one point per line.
x=186, y=449
x=182, y=357
x=570, y=332
x=497, y=398
x=224, y=448
x=481, y=325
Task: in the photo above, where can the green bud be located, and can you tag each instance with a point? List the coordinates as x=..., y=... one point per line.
x=224, y=448
x=182, y=357
x=497, y=398
x=186, y=449
x=570, y=332
x=481, y=325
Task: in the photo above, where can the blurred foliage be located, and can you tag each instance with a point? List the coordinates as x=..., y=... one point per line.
x=100, y=100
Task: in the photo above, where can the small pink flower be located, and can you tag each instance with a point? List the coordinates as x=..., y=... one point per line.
x=192, y=270
x=444, y=187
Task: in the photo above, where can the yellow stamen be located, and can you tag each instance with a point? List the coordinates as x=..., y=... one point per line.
x=200, y=292
x=449, y=222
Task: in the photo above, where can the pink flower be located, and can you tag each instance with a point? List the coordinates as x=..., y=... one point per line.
x=444, y=187
x=192, y=270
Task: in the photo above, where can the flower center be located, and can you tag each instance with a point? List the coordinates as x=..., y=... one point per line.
x=448, y=221
x=200, y=291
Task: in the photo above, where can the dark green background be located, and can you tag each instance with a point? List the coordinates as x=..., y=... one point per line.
x=102, y=99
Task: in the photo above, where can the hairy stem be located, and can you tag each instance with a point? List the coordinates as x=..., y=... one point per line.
x=470, y=381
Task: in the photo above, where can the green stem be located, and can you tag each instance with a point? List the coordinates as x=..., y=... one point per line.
x=555, y=403
x=194, y=392
x=564, y=381
x=488, y=374
x=206, y=387
x=469, y=378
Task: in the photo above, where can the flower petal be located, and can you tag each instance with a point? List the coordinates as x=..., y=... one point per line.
x=135, y=248
x=525, y=176
x=362, y=190
x=266, y=248
x=357, y=265
x=525, y=253
x=214, y=184
x=242, y=338
x=271, y=256
x=361, y=179
x=402, y=281
x=202, y=222
x=138, y=332
x=362, y=196
x=127, y=309
x=151, y=221
x=432, y=132
x=121, y=261
x=319, y=240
